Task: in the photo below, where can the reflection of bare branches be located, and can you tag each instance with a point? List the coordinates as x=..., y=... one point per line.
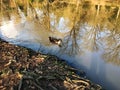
x=90, y=39
x=113, y=55
x=46, y=12
x=70, y=44
x=112, y=48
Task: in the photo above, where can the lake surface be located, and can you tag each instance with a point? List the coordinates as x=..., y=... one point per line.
x=90, y=37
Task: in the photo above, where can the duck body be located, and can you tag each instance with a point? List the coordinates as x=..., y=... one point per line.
x=56, y=41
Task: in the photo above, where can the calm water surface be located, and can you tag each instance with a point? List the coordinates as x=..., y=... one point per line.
x=90, y=37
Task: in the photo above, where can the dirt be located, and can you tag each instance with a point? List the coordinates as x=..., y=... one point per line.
x=25, y=69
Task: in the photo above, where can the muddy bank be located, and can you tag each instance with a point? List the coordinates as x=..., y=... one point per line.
x=24, y=69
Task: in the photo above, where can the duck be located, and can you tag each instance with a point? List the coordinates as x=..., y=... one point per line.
x=56, y=41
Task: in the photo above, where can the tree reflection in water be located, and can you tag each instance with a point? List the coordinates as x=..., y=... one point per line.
x=112, y=49
x=91, y=26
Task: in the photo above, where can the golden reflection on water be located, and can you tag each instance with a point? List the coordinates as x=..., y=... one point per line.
x=95, y=25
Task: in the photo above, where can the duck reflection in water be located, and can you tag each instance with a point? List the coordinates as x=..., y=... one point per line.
x=56, y=41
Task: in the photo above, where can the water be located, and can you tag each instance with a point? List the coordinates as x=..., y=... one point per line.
x=90, y=41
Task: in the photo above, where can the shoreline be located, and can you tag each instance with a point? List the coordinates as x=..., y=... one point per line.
x=23, y=69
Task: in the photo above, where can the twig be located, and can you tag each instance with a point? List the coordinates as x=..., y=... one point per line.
x=54, y=88
x=20, y=84
x=38, y=86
